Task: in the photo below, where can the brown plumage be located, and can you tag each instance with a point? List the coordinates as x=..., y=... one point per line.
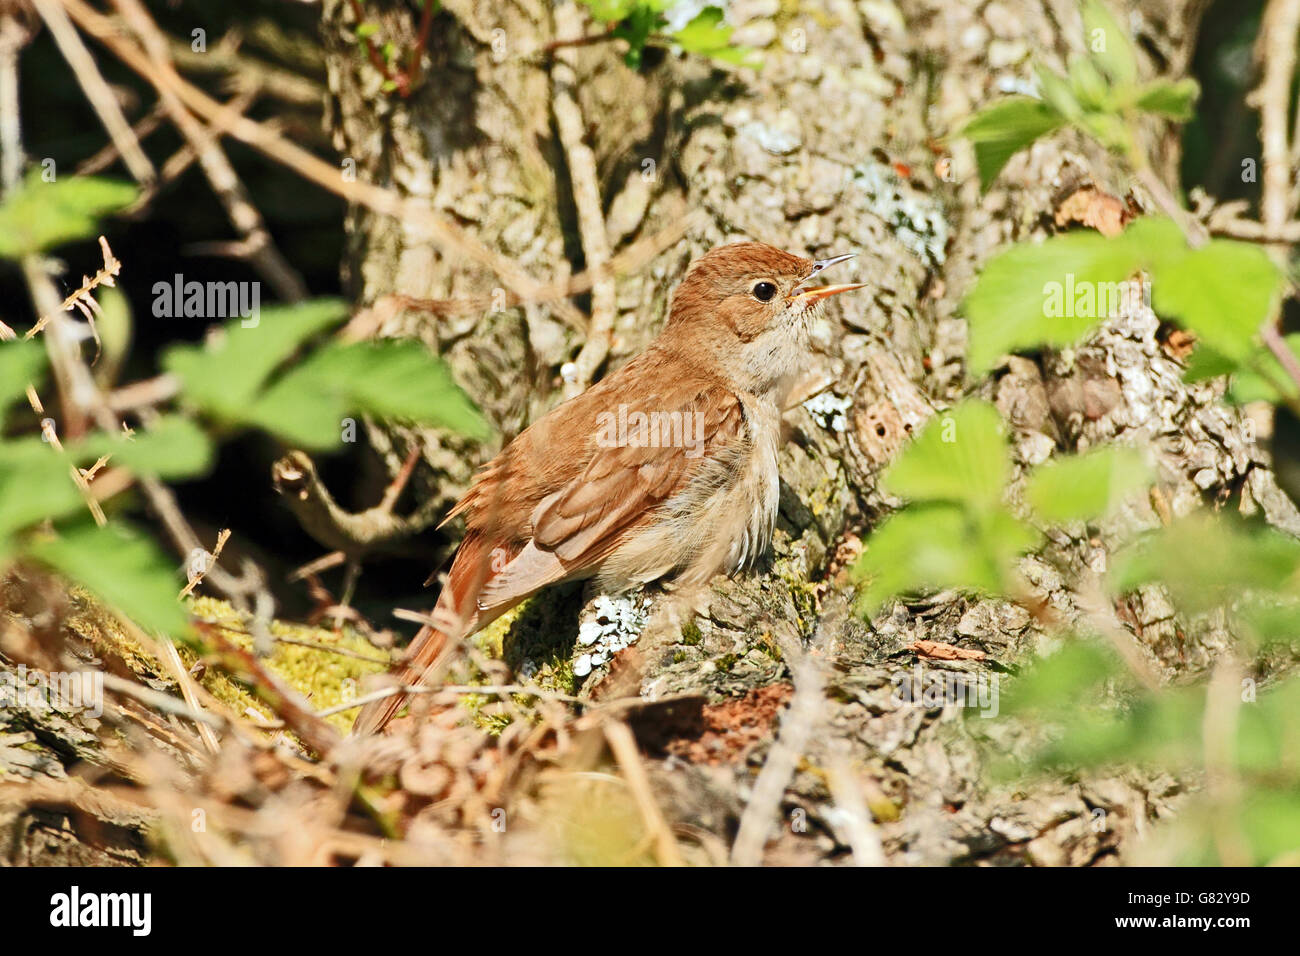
x=574, y=496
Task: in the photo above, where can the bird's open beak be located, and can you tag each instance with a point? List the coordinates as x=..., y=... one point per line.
x=808, y=296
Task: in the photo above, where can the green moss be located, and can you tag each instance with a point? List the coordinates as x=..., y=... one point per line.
x=691, y=634
x=325, y=667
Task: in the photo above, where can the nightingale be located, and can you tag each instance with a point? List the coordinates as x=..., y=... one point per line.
x=666, y=467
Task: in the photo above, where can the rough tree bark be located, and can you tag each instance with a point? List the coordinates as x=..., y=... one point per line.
x=831, y=147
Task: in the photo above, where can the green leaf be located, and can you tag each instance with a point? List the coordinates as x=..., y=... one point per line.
x=22, y=363
x=40, y=215
x=1177, y=100
x=1089, y=85
x=1108, y=43
x=397, y=379
x=1223, y=292
x=607, y=11
x=1087, y=486
x=1058, y=681
x=123, y=568
x=35, y=484
x=224, y=376
x=1003, y=129
x=388, y=379
x=709, y=35
x=1057, y=93
x=959, y=456
x=937, y=546
x=1049, y=293
x=173, y=447
x=1206, y=562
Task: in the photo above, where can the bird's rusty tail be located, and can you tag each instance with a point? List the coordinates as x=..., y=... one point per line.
x=456, y=615
x=423, y=652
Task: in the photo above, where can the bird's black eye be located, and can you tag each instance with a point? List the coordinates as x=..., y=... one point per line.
x=763, y=291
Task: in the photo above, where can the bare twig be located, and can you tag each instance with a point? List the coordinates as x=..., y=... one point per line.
x=1278, y=31
x=797, y=728
x=623, y=745
x=96, y=89
x=586, y=198
x=259, y=248
x=386, y=202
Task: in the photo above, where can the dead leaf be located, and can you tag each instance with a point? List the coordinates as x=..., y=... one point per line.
x=938, y=651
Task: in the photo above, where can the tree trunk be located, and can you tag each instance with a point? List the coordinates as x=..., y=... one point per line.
x=830, y=148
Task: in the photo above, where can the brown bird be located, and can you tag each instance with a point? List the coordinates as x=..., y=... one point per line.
x=666, y=467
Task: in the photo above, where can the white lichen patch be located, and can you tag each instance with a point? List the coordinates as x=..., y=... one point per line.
x=917, y=219
x=616, y=622
x=829, y=409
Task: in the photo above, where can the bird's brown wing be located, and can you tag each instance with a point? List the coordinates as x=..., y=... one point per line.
x=577, y=525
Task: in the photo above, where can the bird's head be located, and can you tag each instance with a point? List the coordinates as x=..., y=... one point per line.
x=750, y=305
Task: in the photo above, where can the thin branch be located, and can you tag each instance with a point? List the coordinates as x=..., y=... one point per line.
x=96, y=89
x=448, y=236
x=353, y=533
x=259, y=248
x=585, y=182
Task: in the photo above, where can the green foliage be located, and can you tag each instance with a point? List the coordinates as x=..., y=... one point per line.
x=959, y=457
x=1086, y=486
x=244, y=377
x=1005, y=128
x=39, y=215
x=1100, y=95
x=22, y=363
x=959, y=535
x=122, y=567
x=1054, y=292
x=35, y=485
x=1206, y=561
x=173, y=447
x=643, y=23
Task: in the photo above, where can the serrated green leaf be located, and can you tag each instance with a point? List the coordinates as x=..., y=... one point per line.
x=22, y=363
x=35, y=484
x=1057, y=93
x=39, y=215
x=172, y=448
x=1177, y=100
x=937, y=546
x=1049, y=293
x=959, y=456
x=398, y=379
x=1087, y=486
x=1205, y=562
x=1108, y=43
x=1001, y=130
x=123, y=568
x=607, y=11
x=224, y=376
x=1222, y=291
